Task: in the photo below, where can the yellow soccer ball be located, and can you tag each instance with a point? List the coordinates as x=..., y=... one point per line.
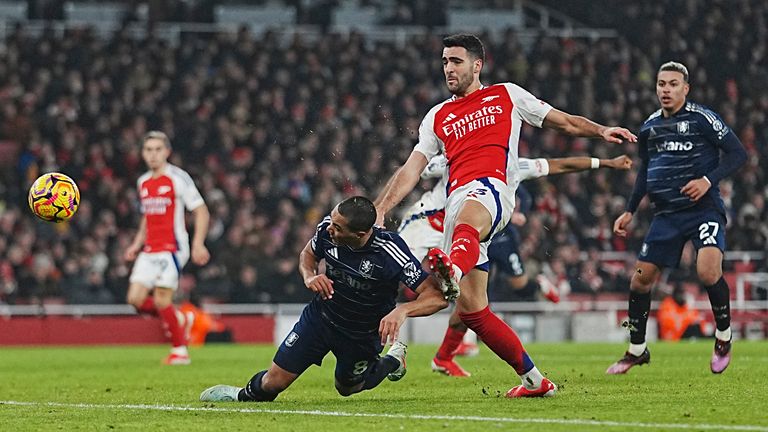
x=54, y=197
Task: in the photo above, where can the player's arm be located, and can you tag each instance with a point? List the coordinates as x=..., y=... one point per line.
x=638, y=192
x=138, y=240
x=402, y=183
x=583, y=127
x=733, y=156
x=583, y=163
x=317, y=283
x=200, y=254
x=430, y=300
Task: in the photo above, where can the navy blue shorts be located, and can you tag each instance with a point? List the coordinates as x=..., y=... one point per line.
x=312, y=338
x=668, y=234
x=504, y=252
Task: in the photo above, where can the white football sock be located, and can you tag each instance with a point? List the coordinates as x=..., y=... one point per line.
x=637, y=349
x=180, y=350
x=532, y=379
x=724, y=335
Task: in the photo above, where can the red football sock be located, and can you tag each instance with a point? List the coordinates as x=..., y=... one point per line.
x=465, y=248
x=168, y=315
x=498, y=336
x=148, y=306
x=451, y=341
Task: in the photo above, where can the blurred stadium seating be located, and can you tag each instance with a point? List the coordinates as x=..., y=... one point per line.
x=277, y=123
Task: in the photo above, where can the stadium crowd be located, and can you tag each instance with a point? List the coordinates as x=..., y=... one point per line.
x=276, y=128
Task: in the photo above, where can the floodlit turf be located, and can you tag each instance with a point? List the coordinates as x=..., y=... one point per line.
x=126, y=388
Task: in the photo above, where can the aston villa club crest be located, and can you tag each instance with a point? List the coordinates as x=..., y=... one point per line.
x=644, y=249
x=366, y=268
x=683, y=127
x=291, y=339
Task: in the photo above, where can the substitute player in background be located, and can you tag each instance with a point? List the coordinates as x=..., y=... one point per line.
x=686, y=150
x=161, y=245
x=353, y=314
x=478, y=131
x=422, y=230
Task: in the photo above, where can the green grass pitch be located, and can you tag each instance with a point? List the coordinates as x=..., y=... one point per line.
x=126, y=388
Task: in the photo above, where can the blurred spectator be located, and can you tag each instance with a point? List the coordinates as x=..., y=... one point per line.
x=677, y=320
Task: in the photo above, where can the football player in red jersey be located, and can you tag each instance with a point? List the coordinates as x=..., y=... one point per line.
x=478, y=130
x=161, y=245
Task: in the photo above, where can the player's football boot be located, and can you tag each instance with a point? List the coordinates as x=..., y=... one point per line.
x=629, y=360
x=398, y=350
x=549, y=289
x=546, y=389
x=441, y=266
x=177, y=359
x=449, y=367
x=220, y=393
x=721, y=357
x=466, y=349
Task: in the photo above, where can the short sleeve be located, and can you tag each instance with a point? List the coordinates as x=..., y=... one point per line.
x=531, y=109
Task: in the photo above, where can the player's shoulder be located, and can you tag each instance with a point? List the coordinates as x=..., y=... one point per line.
x=703, y=113
x=324, y=223
x=144, y=177
x=391, y=244
x=653, y=118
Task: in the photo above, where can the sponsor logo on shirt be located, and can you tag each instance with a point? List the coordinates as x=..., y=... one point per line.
x=670, y=146
x=473, y=121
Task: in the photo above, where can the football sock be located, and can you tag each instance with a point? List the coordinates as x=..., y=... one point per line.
x=723, y=335
x=180, y=350
x=465, y=249
x=639, y=308
x=148, y=306
x=451, y=341
x=719, y=298
x=637, y=349
x=252, y=391
x=532, y=378
x=171, y=321
x=499, y=337
x=376, y=373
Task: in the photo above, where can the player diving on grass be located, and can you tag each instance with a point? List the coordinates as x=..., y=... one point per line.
x=353, y=314
x=422, y=230
x=478, y=130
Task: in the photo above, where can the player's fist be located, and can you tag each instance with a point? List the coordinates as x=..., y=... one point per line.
x=132, y=252
x=621, y=223
x=622, y=162
x=200, y=255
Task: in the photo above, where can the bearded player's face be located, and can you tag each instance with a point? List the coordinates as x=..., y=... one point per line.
x=459, y=68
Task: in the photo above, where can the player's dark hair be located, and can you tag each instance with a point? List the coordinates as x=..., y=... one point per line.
x=470, y=42
x=359, y=213
x=157, y=135
x=675, y=67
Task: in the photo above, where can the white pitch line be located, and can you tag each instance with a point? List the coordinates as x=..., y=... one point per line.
x=580, y=422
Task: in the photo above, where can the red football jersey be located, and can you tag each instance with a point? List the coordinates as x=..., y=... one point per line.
x=163, y=200
x=479, y=133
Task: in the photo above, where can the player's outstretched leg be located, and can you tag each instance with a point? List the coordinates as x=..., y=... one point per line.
x=398, y=351
x=443, y=361
x=442, y=267
x=503, y=341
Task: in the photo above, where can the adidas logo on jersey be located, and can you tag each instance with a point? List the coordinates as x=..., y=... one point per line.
x=449, y=117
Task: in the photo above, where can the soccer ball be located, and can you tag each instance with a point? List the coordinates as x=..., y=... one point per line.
x=54, y=197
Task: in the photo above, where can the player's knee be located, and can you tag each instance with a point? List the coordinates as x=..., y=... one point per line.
x=710, y=275
x=348, y=389
x=641, y=283
x=134, y=299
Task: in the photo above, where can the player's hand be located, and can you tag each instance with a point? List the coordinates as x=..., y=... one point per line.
x=518, y=219
x=200, y=255
x=132, y=252
x=320, y=284
x=389, y=327
x=695, y=189
x=622, y=162
x=618, y=134
x=620, y=226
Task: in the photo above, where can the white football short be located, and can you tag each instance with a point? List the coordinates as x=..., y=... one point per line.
x=420, y=236
x=159, y=269
x=494, y=195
